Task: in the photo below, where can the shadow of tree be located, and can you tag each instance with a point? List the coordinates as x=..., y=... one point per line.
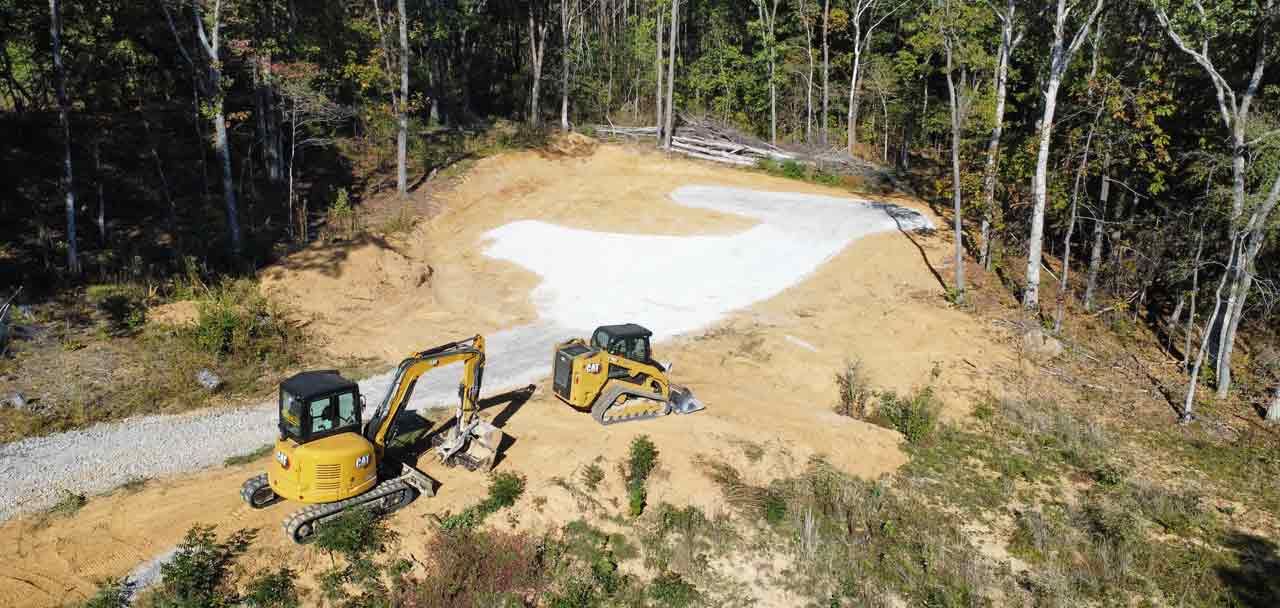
x=327, y=258
x=1255, y=581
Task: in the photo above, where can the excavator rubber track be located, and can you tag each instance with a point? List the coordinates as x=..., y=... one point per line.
x=627, y=403
x=383, y=498
x=257, y=492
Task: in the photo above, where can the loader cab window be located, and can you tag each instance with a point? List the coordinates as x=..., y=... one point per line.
x=635, y=348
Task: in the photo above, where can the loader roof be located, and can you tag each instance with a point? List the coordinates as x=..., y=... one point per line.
x=319, y=382
x=626, y=330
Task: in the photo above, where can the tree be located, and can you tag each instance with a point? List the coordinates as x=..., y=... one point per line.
x=860, y=9
x=826, y=67
x=210, y=80
x=768, y=11
x=538, y=26
x=671, y=78
x=570, y=10
x=1234, y=109
x=402, y=110
x=959, y=99
x=60, y=85
x=1060, y=54
x=312, y=117
x=803, y=10
x=1010, y=36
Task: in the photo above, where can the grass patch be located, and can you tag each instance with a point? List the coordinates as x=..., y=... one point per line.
x=69, y=504
x=248, y=457
x=135, y=484
x=592, y=475
x=504, y=489
x=640, y=463
x=853, y=389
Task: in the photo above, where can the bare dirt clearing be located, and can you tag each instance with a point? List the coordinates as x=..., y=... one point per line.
x=765, y=373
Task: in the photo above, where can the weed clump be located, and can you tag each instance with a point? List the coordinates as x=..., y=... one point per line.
x=504, y=489
x=641, y=462
x=592, y=475
x=915, y=416
x=854, y=390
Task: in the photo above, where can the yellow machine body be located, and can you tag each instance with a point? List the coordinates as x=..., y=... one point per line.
x=324, y=470
x=615, y=377
x=329, y=458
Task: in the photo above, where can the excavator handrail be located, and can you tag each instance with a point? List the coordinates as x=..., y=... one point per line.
x=470, y=352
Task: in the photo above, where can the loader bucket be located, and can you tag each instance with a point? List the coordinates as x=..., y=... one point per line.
x=683, y=401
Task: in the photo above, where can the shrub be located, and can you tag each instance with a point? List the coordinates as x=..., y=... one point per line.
x=793, y=169
x=592, y=475
x=640, y=463
x=123, y=306
x=775, y=508
x=273, y=589
x=504, y=489
x=668, y=589
x=111, y=593
x=68, y=504
x=198, y=573
x=916, y=417
x=854, y=391
x=478, y=568
x=354, y=534
x=235, y=321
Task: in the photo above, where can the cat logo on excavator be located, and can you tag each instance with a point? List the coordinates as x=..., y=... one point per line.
x=615, y=377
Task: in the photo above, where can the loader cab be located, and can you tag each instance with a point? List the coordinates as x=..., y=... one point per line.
x=629, y=341
x=318, y=404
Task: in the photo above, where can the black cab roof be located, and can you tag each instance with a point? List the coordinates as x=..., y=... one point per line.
x=625, y=330
x=314, y=383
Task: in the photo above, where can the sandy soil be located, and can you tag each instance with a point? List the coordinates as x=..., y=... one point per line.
x=766, y=373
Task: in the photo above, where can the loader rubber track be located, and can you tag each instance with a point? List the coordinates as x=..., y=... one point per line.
x=607, y=411
x=384, y=498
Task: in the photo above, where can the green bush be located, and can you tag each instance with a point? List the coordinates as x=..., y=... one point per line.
x=669, y=590
x=198, y=574
x=640, y=463
x=916, y=416
x=273, y=589
x=123, y=307
x=636, y=499
x=775, y=508
x=354, y=533
x=236, y=321
x=111, y=593
x=504, y=489
x=793, y=169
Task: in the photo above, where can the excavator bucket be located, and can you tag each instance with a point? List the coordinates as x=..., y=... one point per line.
x=683, y=401
x=475, y=447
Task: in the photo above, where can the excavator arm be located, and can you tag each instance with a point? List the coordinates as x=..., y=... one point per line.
x=469, y=352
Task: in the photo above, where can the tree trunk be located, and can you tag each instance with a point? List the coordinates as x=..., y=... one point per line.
x=854, y=98
x=1099, y=223
x=826, y=70
x=808, y=82
x=957, y=210
x=671, y=77
x=565, y=26
x=658, y=95
x=402, y=112
x=102, y=201
x=884, y=107
x=60, y=87
x=1273, y=409
x=1195, y=291
x=1081, y=175
x=1039, y=193
x=213, y=80
x=1007, y=44
x=1060, y=59
x=1188, y=402
x=537, y=47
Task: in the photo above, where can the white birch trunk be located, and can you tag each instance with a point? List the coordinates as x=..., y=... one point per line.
x=671, y=77
x=402, y=112
x=1008, y=42
x=64, y=107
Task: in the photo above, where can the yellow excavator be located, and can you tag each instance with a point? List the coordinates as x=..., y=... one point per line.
x=615, y=377
x=327, y=458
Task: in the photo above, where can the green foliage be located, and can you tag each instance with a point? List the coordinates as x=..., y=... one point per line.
x=640, y=463
x=199, y=573
x=236, y=321
x=273, y=589
x=110, y=593
x=915, y=416
x=123, y=307
x=670, y=590
x=354, y=534
x=504, y=489
x=69, y=504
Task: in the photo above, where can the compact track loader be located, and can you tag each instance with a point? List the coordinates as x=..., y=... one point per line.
x=615, y=378
x=326, y=457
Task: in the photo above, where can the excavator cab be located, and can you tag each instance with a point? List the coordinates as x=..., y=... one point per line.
x=317, y=404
